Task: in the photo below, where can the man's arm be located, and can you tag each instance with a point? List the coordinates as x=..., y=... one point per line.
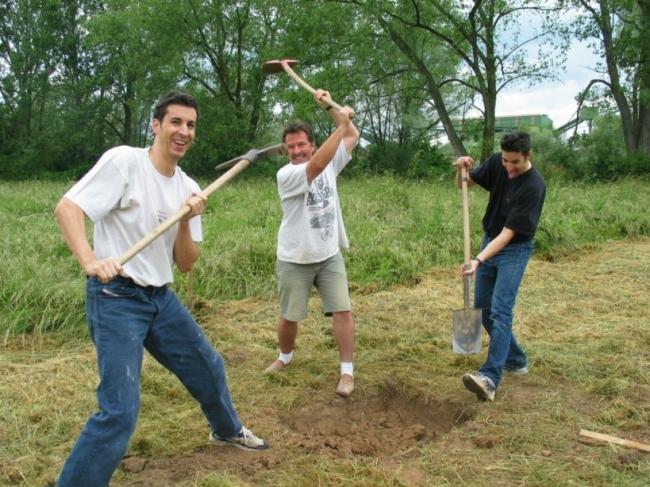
x=493, y=248
x=326, y=152
x=186, y=250
x=345, y=132
x=351, y=136
x=71, y=219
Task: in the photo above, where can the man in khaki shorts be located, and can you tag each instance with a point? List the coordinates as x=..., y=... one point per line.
x=311, y=236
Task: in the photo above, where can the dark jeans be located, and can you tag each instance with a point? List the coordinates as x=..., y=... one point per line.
x=497, y=284
x=124, y=319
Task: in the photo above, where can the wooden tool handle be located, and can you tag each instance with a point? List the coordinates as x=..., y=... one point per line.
x=180, y=214
x=466, y=235
x=614, y=439
x=303, y=83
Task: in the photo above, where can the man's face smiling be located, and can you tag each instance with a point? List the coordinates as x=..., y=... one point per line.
x=176, y=132
x=515, y=163
x=299, y=148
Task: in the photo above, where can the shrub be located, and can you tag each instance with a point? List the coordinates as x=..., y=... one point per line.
x=415, y=161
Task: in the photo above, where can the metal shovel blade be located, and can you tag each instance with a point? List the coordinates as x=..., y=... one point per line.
x=467, y=331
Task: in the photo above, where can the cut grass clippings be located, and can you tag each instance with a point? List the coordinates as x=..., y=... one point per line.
x=582, y=319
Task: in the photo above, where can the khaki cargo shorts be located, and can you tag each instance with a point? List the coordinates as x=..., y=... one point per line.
x=295, y=282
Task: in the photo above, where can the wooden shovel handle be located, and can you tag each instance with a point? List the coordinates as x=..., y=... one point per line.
x=466, y=235
x=184, y=211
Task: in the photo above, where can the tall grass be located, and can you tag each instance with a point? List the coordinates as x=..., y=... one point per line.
x=397, y=228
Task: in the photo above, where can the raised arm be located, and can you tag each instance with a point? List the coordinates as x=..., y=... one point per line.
x=345, y=132
x=351, y=136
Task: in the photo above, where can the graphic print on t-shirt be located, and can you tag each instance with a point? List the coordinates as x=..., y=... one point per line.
x=319, y=204
x=161, y=214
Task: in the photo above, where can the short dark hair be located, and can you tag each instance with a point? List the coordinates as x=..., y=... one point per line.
x=298, y=126
x=174, y=97
x=516, y=141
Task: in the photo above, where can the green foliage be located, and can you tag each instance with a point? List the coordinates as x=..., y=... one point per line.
x=601, y=154
x=80, y=76
x=617, y=31
x=413, y=161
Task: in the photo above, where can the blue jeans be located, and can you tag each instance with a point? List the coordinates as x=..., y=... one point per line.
x=124, y=319
x=497, y=284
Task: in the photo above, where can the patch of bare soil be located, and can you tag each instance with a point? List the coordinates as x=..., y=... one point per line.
x=382, y=424
x=379, y=425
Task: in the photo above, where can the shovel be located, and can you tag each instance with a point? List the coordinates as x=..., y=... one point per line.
x=467, y=321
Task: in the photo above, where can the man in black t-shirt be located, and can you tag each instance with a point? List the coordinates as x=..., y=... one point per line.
x=517, y=192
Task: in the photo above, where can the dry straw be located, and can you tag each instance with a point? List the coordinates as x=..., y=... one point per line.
x=583, y=319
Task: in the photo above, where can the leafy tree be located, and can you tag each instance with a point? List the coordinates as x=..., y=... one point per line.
x=135, y=59
x=619, y=32
x=227, y=43
x=347, y=52
x=483, y=35
x=30, y=37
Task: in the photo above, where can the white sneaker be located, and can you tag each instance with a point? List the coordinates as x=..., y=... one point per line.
x=520, y=371
x=245, y=440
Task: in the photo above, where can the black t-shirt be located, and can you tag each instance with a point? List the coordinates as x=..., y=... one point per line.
x=514, y=203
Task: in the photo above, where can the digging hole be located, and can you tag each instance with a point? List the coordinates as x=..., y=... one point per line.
x=378, y=425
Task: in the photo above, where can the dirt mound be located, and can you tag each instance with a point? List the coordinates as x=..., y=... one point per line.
x=380, y=424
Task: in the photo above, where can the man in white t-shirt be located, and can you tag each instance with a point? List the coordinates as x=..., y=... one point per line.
x=130, y=307
x=311, y=236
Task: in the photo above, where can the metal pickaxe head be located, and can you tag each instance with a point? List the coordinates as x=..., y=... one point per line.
x=275, y=66
x=255, y=155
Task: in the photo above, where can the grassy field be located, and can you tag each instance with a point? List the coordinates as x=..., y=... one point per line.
x=582, y=316
x=397, y=229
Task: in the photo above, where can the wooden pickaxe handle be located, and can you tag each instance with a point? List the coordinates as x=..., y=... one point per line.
x=239, y=165
x=305, y=85
x=180, y=214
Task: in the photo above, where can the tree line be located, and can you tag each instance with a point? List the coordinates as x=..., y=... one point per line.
x=79, y=76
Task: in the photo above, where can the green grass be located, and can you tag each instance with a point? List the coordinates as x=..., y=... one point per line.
x=587, y=342
x=397, y=229
x=582, y=317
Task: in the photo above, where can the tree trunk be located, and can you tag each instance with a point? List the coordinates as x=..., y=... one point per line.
x=489, y=122
x=643, y=137
x=489, y=85
x=432, y=86
x=127, y=132
x=614, y=77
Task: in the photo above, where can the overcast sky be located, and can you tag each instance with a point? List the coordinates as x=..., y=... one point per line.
x=555, y=99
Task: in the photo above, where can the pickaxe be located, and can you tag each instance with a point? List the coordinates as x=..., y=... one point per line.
x=275, y=66
x=236, y=166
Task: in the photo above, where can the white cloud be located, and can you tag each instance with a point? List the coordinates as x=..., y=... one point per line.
x=555, y=99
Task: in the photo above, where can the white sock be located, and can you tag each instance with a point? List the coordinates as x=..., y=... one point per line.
x=285, y=358
x=347, y=368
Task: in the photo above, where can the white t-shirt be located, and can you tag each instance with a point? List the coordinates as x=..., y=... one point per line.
x=126, y=198
x=312, y=228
